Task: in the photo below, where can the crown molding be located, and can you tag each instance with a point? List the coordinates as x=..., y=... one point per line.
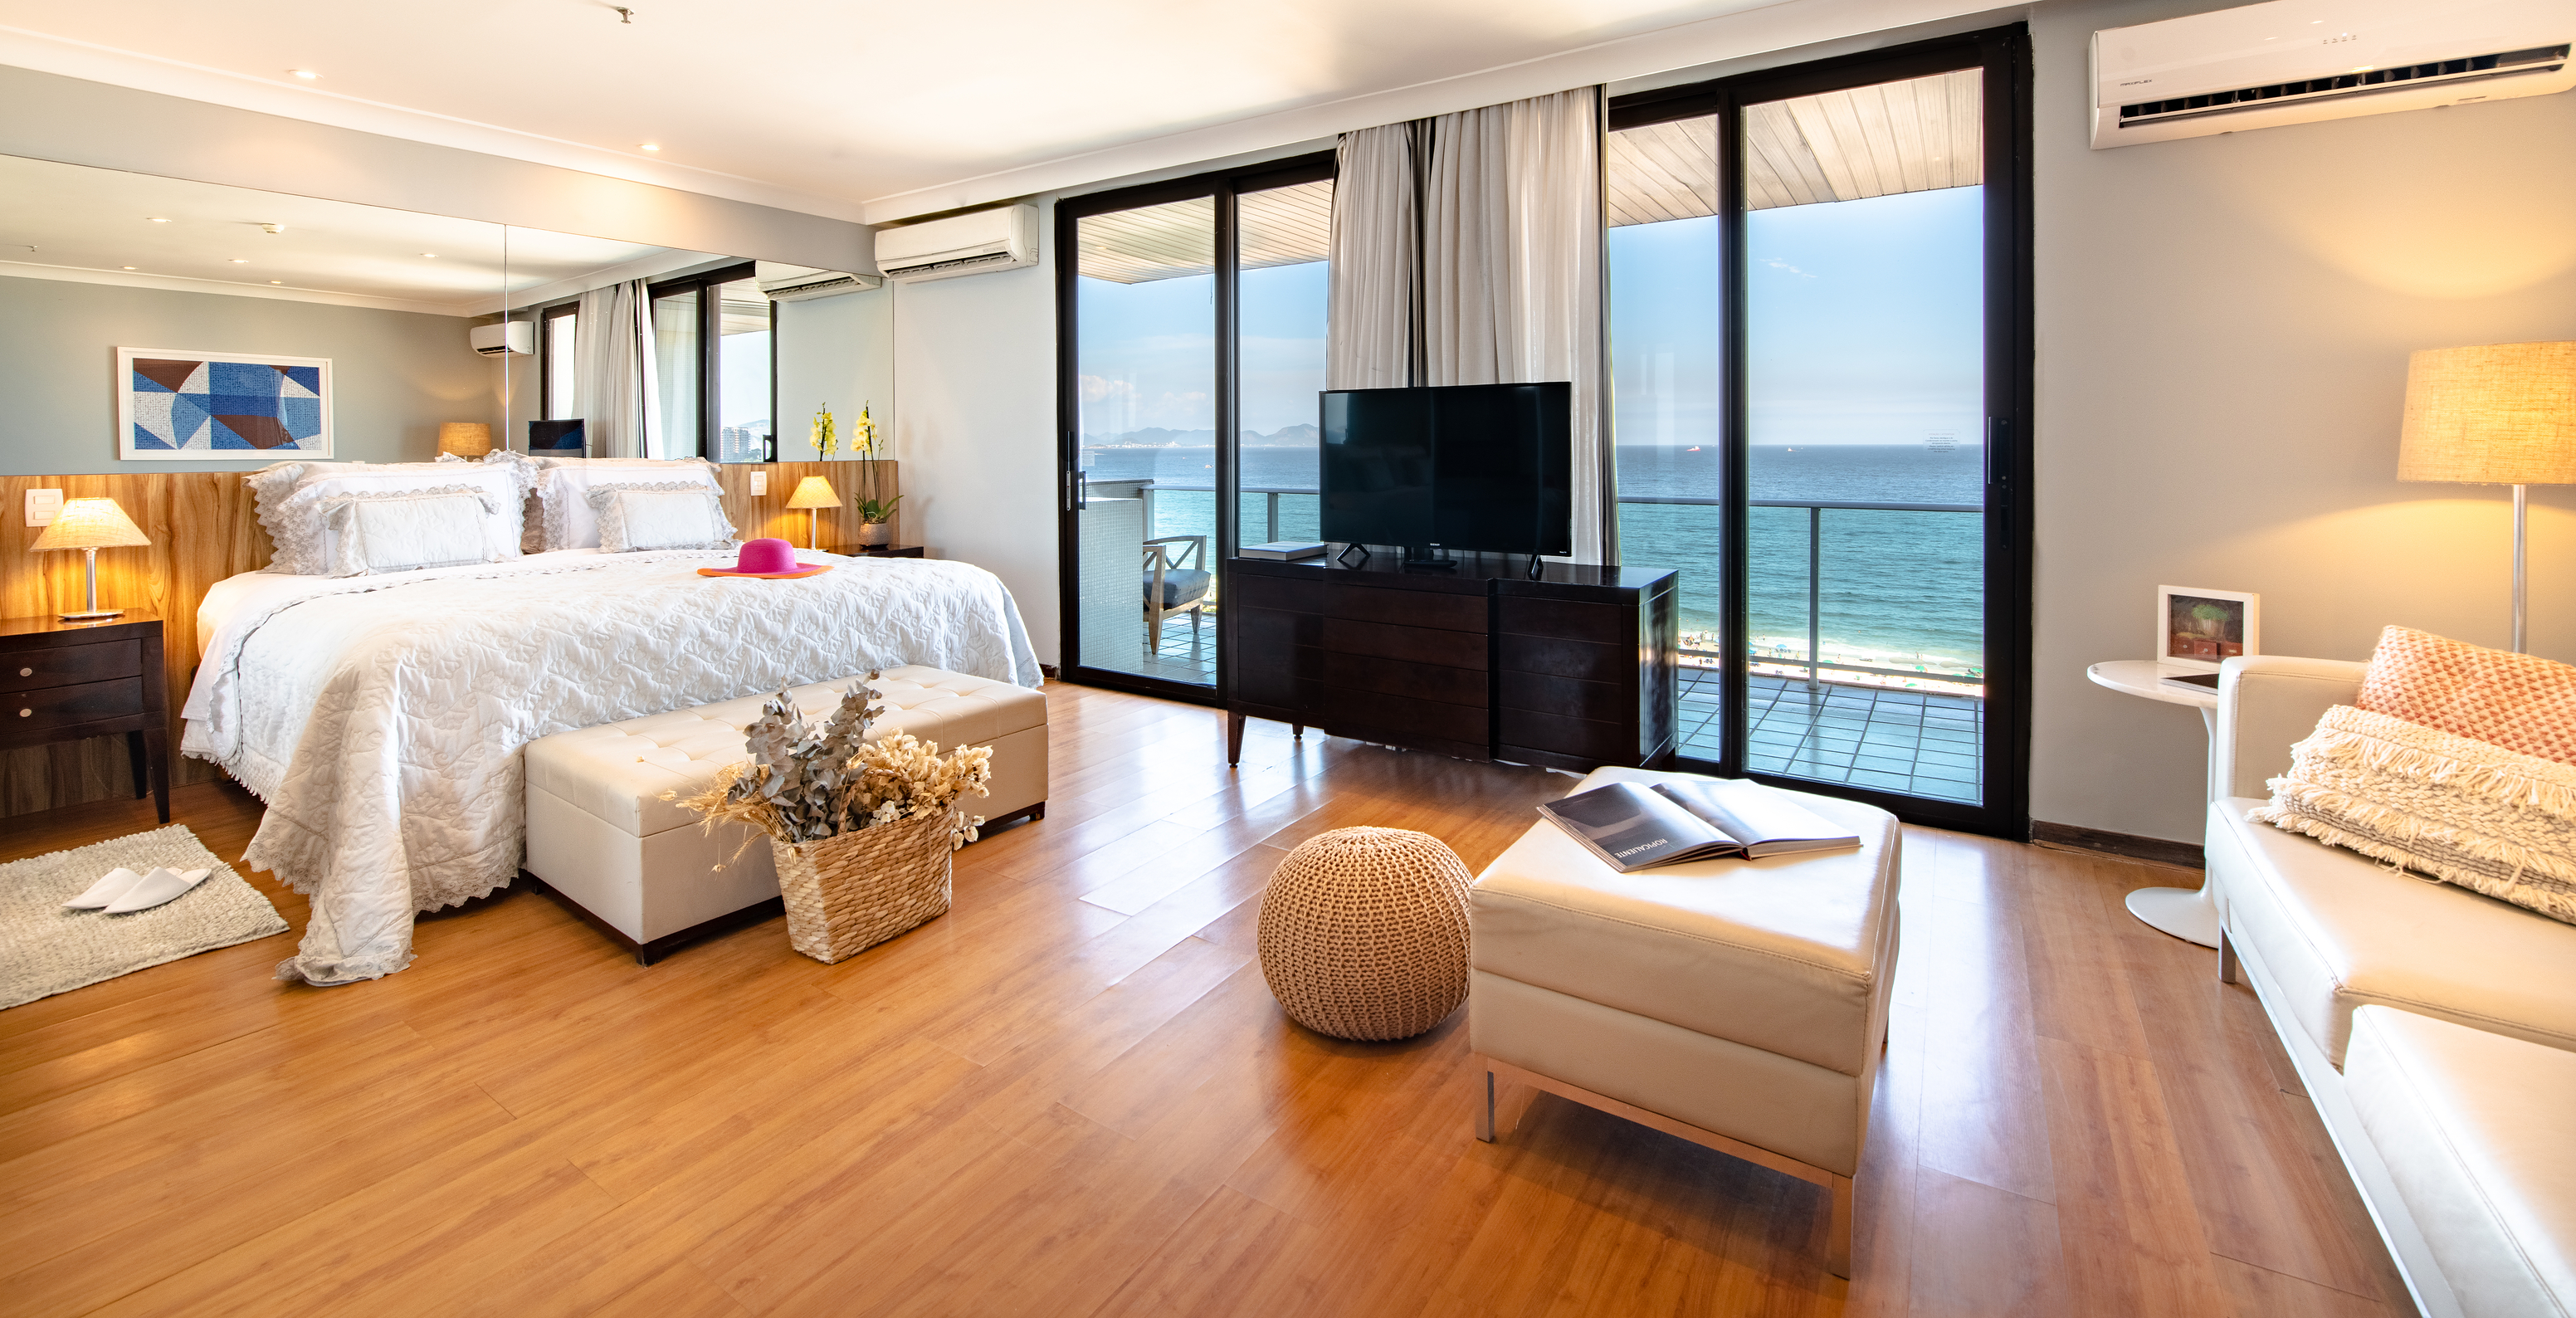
x=44, y=53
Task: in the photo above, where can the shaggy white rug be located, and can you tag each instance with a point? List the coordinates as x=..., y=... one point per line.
x=45, y=949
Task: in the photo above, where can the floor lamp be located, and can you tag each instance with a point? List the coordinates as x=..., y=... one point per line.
x=2502, y=414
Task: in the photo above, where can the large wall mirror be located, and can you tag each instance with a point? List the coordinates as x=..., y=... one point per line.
x=269, y=324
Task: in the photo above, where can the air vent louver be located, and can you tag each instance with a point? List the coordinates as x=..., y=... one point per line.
x=2474, y=68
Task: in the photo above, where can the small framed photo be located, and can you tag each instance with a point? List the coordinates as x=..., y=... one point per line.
x=182, y=405
x=2198, y=628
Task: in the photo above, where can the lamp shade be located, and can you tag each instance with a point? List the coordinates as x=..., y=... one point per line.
x=465, y=439
x=2502, y=414
x=91, y=524
x=814, y=492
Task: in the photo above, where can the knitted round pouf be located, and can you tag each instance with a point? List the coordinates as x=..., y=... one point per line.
x=1364, y=933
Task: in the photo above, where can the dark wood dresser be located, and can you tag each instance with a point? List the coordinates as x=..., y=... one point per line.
x=1573, y=670
x=61, y=681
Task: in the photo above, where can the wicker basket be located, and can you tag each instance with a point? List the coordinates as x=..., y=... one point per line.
x=1363, y=933
x=848, y=893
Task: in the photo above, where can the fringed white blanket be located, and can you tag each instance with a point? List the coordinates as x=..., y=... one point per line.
x=2488, y=819
x=381, y=718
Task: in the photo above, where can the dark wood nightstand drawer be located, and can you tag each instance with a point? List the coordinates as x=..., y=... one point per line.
x=68, y=665
x=26, y=712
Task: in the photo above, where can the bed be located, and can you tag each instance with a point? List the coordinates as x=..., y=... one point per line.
x=381, y=717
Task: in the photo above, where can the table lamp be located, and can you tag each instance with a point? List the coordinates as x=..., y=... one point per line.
x=2502, y=414
x=91, y=525
x=465, y=439
x=811, y=493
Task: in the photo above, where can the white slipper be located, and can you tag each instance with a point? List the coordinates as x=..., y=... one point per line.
x=117, y=883
x=159, y=886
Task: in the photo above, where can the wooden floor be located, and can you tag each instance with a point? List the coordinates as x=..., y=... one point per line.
x=1074, y=1095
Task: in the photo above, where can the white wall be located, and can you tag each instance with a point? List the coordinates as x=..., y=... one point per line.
x=974, y=362
x=2223, y=330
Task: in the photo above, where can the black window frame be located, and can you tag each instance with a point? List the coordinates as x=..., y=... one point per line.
x=546, y=353
x=710, y=368
x=2004, y=55
x=1224, y=186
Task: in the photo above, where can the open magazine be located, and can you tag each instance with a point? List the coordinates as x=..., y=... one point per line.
x=1634, y=826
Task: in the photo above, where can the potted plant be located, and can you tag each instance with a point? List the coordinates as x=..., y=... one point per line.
x=863, y=831
x=876, y=517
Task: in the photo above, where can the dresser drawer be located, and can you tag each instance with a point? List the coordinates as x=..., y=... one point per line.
x=68, y=665
x=1446, y=610
x=26, y=712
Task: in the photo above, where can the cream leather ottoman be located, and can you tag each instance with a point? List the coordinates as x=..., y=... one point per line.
x=601, y=836
x=1741, y=1005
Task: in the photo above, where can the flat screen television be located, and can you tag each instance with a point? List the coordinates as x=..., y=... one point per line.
x=1487, y=467
x=556, y=437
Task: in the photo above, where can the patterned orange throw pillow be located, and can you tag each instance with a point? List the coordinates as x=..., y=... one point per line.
x=2518, y=701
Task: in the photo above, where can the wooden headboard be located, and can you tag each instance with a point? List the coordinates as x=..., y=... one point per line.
x=203, y=530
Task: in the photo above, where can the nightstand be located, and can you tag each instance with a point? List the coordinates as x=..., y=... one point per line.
x=62, y=681
x=876, y=551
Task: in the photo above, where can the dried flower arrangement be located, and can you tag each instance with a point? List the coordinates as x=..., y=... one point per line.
x=806, y=784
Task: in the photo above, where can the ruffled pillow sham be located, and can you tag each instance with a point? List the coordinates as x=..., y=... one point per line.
x=301, y=539
x=565, y=486
x=635, y=516
x=374, y=531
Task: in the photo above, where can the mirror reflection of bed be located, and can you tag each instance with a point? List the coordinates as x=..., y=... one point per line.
x=492, y=380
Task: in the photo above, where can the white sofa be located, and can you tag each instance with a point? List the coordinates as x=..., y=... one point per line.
x=2321, y=934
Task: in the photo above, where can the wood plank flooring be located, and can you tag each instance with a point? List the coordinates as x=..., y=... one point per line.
x=1074, y=1095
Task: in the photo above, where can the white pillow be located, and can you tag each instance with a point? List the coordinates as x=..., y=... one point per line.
x=571, y=523
x=399, y=530
x=304, y=539
x=663, y=515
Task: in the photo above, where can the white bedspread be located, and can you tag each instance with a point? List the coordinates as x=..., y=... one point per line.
x=381, y=717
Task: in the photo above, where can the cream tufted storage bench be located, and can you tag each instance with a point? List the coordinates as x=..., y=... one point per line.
x=600, y=834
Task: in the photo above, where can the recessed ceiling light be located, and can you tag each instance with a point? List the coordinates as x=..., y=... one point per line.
x=306, y=74
x=277, y=281
x=158, y=219
x=129, y=267
x=648, y=146
x=431, y=255
x=241, y=260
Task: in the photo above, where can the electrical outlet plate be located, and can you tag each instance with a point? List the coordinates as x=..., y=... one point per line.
x=43, y=506
x=759, y=483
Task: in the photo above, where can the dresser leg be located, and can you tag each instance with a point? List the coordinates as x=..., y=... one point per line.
x=156, y=748
x=134, y=757
x=1233, y=739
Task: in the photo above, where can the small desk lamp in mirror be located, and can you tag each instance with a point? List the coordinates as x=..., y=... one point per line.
x=90, y=525
x=813, y=494
x=2501, y=414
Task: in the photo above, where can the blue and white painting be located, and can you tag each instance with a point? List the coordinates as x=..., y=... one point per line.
x=183, y=406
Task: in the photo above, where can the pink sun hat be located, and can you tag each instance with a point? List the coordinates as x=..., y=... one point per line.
x=772, y=559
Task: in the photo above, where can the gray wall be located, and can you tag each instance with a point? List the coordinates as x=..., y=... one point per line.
x=2223, y=330
x=395, y=375
x=836, y=351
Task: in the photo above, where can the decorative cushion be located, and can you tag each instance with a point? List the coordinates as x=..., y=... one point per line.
x=566, y=483
x=1363, y=933
x=2483, y=817
x=400, y=530
x=2518, y=701
x=302, y=539
x=662, y=515
x=1180, y=586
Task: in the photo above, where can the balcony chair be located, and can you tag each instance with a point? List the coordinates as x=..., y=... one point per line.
x=1173, y=587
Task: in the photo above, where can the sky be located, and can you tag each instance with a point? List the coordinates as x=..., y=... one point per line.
x=1863, y=327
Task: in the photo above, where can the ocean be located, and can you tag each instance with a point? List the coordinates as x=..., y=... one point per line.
x=1899, y=589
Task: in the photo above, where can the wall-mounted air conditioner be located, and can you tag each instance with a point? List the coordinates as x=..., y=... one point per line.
x=2297, y=61
x=799, y=283
x=1004, y=238
x=503, y=338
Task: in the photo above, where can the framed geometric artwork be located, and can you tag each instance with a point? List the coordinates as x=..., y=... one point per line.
x=180, y=406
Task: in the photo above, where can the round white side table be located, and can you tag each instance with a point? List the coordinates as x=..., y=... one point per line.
x=2186, y=913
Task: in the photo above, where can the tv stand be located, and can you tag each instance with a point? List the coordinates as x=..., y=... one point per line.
x=1572, y=669
x=1428, y=558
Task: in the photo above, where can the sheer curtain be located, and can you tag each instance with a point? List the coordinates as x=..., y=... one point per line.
x=614, y=388
x=1373, y=320
x=1511, y=267
x=1467, y=249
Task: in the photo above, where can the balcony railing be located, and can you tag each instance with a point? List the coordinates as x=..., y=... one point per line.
x=1813, y=662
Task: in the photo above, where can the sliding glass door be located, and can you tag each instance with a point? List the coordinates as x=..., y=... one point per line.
x=1819, y=350
x=1191, y=327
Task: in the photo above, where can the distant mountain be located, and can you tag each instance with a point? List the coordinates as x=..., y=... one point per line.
x=1296, y=436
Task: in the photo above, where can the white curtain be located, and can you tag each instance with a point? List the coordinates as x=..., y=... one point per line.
x=1511, y=268
x=614, y=387
x=1373, y=334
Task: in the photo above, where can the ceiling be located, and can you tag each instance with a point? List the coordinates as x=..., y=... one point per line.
x=72, y=221
x=868, y=104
